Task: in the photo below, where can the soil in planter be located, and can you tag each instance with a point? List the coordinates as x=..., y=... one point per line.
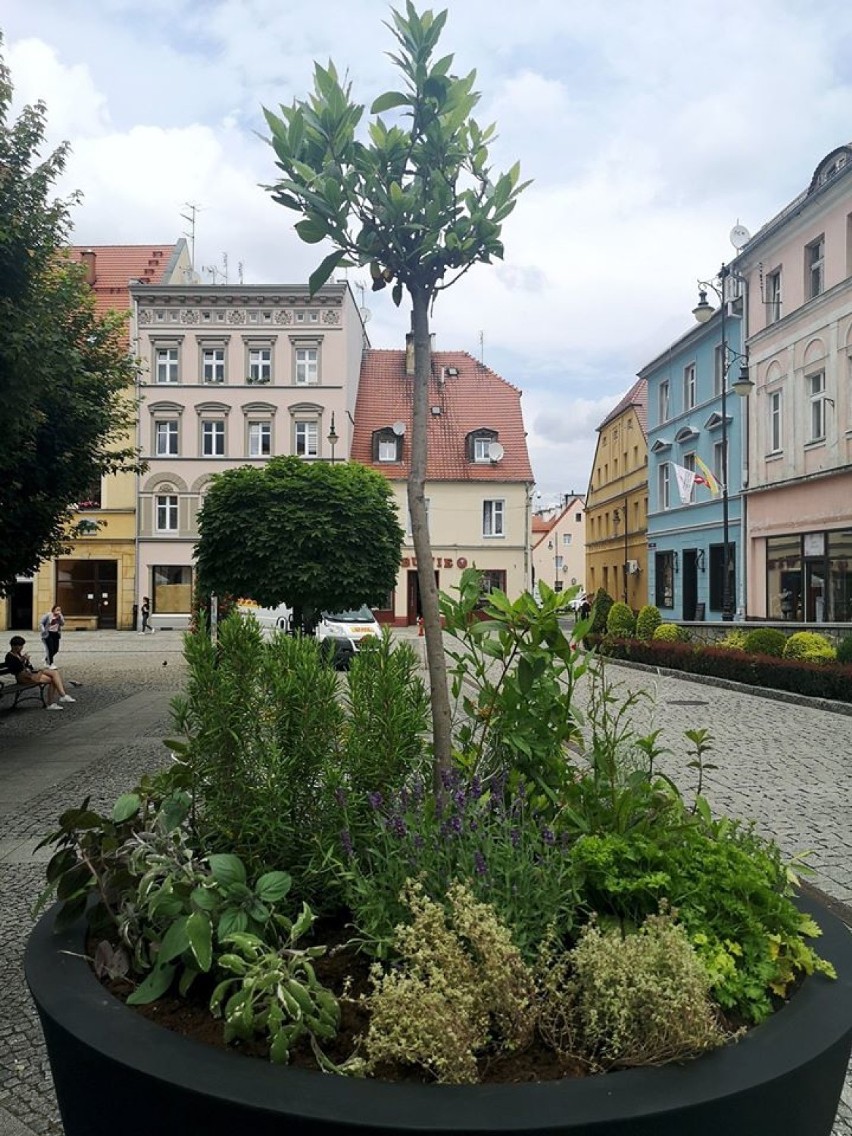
x=191, y=1017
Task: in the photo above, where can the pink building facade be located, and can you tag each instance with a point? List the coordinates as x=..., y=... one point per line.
x=798, y=274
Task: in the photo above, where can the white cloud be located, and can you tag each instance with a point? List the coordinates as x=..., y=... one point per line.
x=648, y=130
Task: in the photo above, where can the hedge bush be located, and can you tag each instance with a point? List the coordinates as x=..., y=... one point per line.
x=670, y=633
x=844, y=650
x=621, y=621
x=601, y=605
x=734, y=640
x=814, y=679
x=765, y=641
x=809, y=646
x=647, y=621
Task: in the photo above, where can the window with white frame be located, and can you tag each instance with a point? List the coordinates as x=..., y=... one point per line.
x=814, y=265
x=166, y=437
x=259, y=439
x=166, y=509
x=388, y=449
x=718, y=369
x=566, y=538
x=493, y=518
x=773, y=296
x=307, y=365
x=212, y=438
x=167, y=361
x=816, y=394
x=663, y=484
x=664, y=400
x=259, y=365
x=689, y=386
x=720, y=471
x=775, y=422
x=689, y=463
x=307, y=439
x=213, y=364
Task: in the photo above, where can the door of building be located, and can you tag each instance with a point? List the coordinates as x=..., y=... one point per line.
x=815, y=591
x=21, y=605
x=690, y=582
x=413, y=606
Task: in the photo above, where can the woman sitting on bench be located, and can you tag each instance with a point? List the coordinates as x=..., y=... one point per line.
x=25, y=675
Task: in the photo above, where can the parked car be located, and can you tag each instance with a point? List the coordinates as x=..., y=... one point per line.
x=271, y=618
x=344, y=631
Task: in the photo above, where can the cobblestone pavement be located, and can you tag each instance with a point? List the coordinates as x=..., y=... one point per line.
x=787, y=767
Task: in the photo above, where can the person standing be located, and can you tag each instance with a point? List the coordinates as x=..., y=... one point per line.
x=145, y=612
x=25, y=674
x=51, y=632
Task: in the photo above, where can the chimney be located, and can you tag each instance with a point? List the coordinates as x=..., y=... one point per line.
x=409, y=353
x=89, y=258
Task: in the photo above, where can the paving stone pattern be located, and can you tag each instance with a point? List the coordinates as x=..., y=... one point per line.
x=788, y=768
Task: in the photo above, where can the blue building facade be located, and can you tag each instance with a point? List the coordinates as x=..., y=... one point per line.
x=686, y=539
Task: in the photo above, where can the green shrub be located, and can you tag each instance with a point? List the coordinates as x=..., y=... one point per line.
x=647, y=621
x=670, y=633
x=844, y=650
x=734, y=640
x=809, y=646
x=628, y=1000
x=601, y=605
x=621, y=621
x=765, y=641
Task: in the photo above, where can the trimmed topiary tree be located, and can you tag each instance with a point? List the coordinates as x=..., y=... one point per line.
x=765, y=641
x=621, y=621
x=844, y=650
x=601, y=605
x=671, y=633
x=647, y=621
x=809, y=646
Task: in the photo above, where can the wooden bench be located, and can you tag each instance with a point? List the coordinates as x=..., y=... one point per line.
x=9, y=685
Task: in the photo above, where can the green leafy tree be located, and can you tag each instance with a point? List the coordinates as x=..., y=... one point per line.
x=310, y=534
x=66, y=378
x=419, y=204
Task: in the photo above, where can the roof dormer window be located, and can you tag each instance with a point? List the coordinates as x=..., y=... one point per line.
x=479, y=445
x=387, y=445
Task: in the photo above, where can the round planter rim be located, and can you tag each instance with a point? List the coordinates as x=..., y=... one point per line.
x=818, y=1016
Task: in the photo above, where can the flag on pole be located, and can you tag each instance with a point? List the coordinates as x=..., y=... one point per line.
x=685, y=481
x=707, y=479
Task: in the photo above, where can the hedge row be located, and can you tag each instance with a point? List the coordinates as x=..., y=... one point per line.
x=817, y=680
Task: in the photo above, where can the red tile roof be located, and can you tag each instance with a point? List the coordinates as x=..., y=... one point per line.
x=116, y=265
x=540, y=525
x=475, y=398
x=637, y=396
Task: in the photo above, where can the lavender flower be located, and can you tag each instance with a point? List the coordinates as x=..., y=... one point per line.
x=456, y=825
x=340, y=796
x=396, y=825
x=479, y=864
x=547, y=836
x=476, y=787
x=515, y=836
x=375, y=800
x=346, y=842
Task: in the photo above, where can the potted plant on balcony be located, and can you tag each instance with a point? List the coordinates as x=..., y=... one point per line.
x=553, y=866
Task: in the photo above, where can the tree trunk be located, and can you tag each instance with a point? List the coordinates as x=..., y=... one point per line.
x=440, y=696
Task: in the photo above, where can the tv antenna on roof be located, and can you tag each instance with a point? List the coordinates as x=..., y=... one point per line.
x=190, y=217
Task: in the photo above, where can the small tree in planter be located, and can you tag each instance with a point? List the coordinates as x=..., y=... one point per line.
x=419, y=203
x=647, y=621
x=621, y=621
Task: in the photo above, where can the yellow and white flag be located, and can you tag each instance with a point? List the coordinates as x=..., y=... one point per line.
x=707, y=478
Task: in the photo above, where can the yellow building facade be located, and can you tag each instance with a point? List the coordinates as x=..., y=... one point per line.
x=617, y=503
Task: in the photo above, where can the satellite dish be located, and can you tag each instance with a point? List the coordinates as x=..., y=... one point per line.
x=740, y=236
x=495, y=451
x=398, y=428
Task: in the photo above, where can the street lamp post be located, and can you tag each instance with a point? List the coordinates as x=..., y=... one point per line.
x=702, y=312
x=332, y=437
x=617, y=515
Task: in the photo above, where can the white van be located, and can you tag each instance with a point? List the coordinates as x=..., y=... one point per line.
x=271, y=618
x=343, y=631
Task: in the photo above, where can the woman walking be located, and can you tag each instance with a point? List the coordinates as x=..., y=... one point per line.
x=51, y=632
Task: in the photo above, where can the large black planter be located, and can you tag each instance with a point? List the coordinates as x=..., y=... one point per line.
x=116, y=1072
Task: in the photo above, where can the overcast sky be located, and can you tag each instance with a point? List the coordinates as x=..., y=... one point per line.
x=649, y=130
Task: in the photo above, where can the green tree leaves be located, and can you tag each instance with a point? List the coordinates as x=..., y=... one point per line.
x=66, y=378
x=314, y=535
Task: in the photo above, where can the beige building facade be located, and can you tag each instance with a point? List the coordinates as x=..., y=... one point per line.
x=559, y=545
x=231, y=376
